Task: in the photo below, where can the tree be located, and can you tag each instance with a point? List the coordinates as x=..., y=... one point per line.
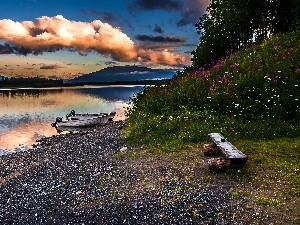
x=231, y=25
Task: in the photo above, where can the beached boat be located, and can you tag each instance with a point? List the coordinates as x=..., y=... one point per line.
x=78, y=116
x=83, y=120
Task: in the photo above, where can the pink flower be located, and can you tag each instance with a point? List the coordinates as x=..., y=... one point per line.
x=223, y=79
x=233, y=66
x=275, y=47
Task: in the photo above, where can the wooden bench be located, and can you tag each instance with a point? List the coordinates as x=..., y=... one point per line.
x=230, y=151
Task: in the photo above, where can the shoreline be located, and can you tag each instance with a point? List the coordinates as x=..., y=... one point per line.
x=93, y=177
x=81, y=84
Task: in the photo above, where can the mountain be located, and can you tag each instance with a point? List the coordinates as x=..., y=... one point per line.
x=124, y=73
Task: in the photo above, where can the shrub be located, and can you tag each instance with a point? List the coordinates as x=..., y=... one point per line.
x=252, y=94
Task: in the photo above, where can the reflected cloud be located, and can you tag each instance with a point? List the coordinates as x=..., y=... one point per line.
x=120, y=114
x=24, y=135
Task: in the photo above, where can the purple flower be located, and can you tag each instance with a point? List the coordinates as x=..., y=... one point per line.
x=223, y=79
x=217, y=65
x=275, y=47
x=227, y=93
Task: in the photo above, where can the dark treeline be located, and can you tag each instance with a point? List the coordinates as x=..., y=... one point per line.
x=233, y=25
x=131, y=82
x=30, y=82
x=43, y=82
x=28, y=92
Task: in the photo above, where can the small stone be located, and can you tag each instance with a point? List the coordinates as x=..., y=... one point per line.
x=124, y=149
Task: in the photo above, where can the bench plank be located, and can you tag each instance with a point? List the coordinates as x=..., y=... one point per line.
x=228, y=149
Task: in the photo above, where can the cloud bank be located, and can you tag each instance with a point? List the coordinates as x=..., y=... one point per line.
x=50, y=67
x=168, y=5
x=49, y=34
x=161, y=39
x=190, y=10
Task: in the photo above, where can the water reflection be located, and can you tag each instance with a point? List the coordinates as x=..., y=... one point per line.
x=111, y=93
x=25, y=134
x=27, y=114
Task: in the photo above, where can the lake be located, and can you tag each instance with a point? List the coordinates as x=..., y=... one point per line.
x=26, y=114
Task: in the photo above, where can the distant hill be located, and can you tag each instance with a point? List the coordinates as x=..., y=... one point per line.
x=124, y=73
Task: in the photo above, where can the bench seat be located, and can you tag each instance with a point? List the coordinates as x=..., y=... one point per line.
x=229, y=150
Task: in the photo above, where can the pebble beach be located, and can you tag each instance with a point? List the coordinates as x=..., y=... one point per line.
x=93, y=177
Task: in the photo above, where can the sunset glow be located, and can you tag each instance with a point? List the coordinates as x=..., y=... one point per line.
x=69, y=41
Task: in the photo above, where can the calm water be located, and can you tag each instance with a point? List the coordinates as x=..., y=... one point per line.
x=26, y=114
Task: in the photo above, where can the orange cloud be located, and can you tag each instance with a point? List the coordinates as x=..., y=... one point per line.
x=48, y=34
x=163, y=58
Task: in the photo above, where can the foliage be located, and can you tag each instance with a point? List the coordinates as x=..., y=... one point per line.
x=29, y=82
x=253, y=94
x=233, y=25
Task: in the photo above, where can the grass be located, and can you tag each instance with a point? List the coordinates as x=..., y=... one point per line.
x=275, y=163
x=268, y=202
x=268, y=182
x=253, y=99
x=253, y=94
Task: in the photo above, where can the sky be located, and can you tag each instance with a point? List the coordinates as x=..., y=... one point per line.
x=69, y=38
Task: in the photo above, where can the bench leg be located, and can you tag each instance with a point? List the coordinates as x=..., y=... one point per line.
x=210, y=149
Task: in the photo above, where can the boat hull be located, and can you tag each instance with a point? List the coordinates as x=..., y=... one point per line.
x=84, y=120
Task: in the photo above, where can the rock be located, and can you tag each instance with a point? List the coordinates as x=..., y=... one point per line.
x=218, y=164
x=210, y=149
x=124, y=149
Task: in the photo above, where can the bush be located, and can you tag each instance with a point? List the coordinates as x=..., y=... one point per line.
x=251, y=94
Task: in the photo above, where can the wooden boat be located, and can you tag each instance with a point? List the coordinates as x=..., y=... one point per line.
x=75, y=123
x=83, y=120
x=76, y=116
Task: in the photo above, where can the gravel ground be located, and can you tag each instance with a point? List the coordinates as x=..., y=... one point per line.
x=92, y=177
